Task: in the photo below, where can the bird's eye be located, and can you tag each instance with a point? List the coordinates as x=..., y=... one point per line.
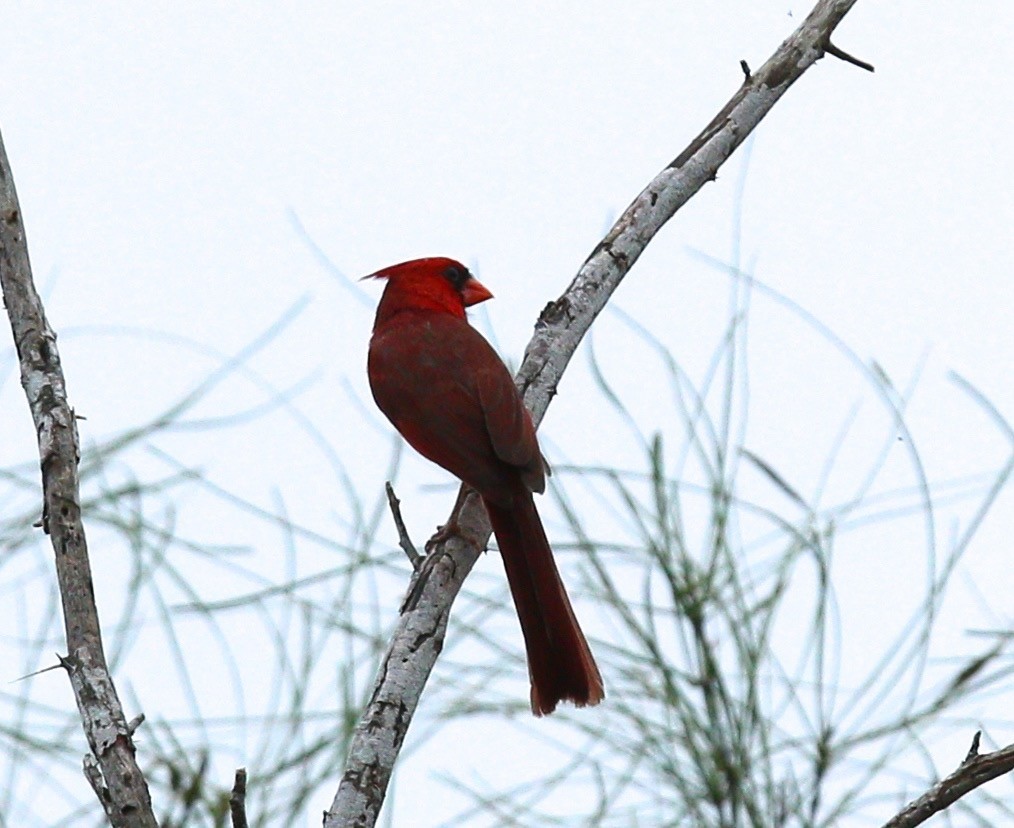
x=457, y=276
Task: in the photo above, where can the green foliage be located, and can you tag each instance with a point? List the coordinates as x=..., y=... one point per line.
x=166, y=622
x=711, y=580
x=714, y=584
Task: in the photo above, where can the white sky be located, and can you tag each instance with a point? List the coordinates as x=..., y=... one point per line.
x=160, y=154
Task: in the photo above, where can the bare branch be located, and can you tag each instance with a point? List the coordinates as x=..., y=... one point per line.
x=111, y=768
x=419, y=637
x=977, y=769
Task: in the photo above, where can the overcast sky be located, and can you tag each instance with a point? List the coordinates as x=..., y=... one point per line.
x=186, y=168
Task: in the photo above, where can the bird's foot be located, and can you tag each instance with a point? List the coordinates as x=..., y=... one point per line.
x=443, y=534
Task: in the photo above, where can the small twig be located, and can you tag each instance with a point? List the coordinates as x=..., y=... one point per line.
x=973, y=751
x=404, y=541
x=746, y=70
x=976, y=769
x=134, y=724
x=40, y=672
x=237, y=801
x=834, y=51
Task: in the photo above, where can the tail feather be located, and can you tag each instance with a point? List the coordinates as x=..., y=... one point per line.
x=560, y=663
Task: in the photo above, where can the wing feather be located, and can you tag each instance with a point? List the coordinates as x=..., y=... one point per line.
x=452, y=398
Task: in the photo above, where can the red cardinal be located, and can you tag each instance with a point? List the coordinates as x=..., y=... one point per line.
x=449, y=395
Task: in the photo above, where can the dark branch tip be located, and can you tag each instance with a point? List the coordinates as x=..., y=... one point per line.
x=973, y=751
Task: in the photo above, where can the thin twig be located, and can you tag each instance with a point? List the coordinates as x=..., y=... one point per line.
x=111, y=768
x=404, y=541
x=237, y=800
x=977, y=769
x=135, y=723
x=418, y=638
x=841, y=54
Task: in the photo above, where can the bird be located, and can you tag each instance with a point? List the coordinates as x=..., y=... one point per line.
x=450, y=396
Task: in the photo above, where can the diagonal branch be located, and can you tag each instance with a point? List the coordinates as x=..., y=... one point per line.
x=110, y=767
x=419, y=636
x=977, y=769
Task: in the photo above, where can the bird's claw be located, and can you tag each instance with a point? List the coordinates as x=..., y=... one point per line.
x=443, y=534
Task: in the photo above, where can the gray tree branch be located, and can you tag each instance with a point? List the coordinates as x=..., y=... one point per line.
x=419, y=636
x=977, y=769
x=111, y=767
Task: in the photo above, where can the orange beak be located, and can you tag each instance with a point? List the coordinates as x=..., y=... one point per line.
x=475, y=292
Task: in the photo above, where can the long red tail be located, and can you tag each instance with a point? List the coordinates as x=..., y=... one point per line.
x=560, y=663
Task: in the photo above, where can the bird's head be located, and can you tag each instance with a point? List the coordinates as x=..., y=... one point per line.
x=437, y=284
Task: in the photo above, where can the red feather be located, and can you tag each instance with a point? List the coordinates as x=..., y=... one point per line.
x=452, y=398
